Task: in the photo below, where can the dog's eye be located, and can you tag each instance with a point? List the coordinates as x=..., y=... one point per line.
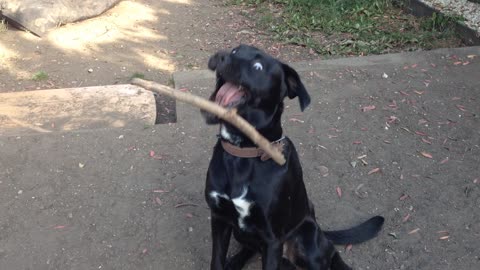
x=234, y=51
x=258, y=66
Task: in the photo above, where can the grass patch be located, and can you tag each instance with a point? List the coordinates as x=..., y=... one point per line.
x=3, y=26
x=40, y=76
x=138, y=75
x=357, y=27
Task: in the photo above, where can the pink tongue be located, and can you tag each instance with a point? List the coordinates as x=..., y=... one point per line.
x=228, y=94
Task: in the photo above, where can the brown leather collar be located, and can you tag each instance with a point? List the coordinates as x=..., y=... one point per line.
x=251, y=152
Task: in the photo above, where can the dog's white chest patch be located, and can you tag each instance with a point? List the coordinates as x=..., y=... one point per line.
x=216, y=196
x=242, y=205
x=224, y=133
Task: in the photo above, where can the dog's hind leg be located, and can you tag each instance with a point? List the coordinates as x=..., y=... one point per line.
x=338, y=263
x=238, y=261
x=287, y=265
x=221, y=233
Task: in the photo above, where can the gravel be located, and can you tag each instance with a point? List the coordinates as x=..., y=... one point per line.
x=468, y=10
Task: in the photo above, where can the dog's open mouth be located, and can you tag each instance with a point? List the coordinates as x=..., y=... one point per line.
x=230, y=95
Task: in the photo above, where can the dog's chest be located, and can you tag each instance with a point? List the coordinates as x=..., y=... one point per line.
x=242, y=205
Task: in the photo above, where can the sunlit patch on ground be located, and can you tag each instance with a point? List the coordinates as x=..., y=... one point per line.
x=7, y=57
x=123, y=23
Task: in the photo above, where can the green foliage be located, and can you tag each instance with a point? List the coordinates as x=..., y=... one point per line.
x=138, y=75
x=3, y=26
x=40, y=76
x=440, y=22
x=359, y=26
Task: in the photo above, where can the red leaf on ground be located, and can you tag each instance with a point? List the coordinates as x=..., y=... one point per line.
x=414, y=65
x=404, y=93
x=59, y=227
x=425, y=154
x=339, y=191
x=465, y=63
x=420, y=133
x=426, y=141
x=456, y=98
x=406, y=218
x=160, y=191
x=152, y=155
x=144, y=251
x=476, y=180
x=461, y=107
x=392, y=119
x=444, y=237
x=348, y=247
x=188, y=215
x=403, y=197
x=418, y=92
x=405, y=67
x=374, y=171
x=422, y=121
x=158, y=201
x=363, y=129
x=393, y=105
x=457, y=63
x=357, y=142
x=183, y=89
x=368, y=108
x=433, y=65
x=445, y=160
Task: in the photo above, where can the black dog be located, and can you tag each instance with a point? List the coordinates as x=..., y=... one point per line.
x=264, y=204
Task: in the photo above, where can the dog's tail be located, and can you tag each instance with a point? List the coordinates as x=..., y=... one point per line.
x=358, y=234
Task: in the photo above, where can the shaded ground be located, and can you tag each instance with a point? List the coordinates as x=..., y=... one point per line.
x=100, y=200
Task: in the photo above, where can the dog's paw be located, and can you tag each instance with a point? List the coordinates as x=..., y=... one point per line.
x=231, y=266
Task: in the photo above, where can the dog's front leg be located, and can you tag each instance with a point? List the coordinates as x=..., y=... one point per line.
x=221, y=233
x=272, y=256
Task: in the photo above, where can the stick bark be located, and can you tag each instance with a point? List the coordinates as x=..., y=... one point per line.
x=226, y=114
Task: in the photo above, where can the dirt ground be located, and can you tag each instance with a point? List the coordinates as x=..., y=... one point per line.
x=397, y=136
x=160, y=37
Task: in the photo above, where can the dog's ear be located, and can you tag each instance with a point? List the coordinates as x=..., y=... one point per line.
x=213, y=62
x=295, y=87
x=216, y=59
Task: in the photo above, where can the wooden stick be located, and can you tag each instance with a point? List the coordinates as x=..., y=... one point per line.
x=228, y=115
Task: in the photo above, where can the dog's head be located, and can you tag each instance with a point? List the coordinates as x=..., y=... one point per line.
x=255, y=84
